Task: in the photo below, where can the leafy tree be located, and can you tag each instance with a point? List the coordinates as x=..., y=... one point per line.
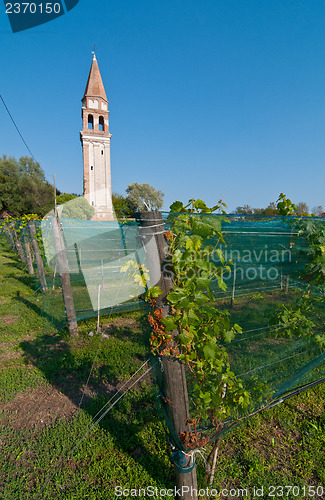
x=302, y=208
x=245, y=210
x=319, y=211
x=144, y=197
x=23, y=187
x=60, y=200
x=122, y=206
x=271, y=209
x=285, y=205
x=64, y=198
x=27, y=166
x=77, y=208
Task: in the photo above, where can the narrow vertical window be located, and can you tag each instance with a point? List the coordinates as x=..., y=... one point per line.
x=101, y=123
x=90, y=122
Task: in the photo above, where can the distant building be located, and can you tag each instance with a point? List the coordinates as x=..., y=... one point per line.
x=96, y=141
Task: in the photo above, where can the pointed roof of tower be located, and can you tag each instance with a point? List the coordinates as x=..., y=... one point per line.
x=95, y=87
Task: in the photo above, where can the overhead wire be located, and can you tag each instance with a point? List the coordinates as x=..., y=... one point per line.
x=16, y=126
x=20, y=134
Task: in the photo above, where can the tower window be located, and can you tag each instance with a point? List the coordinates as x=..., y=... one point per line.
x=101, y=124
x=102, y=151
x=90, y=122
x=91, y=168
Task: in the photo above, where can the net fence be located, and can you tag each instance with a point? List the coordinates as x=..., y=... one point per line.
x=112, y=264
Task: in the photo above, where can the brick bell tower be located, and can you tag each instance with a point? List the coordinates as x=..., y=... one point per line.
x=96, y=140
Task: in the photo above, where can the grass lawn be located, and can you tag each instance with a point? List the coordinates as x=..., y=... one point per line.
x=43, y=381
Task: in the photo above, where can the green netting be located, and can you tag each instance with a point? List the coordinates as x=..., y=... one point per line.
x=269, y=257
x=96, y=253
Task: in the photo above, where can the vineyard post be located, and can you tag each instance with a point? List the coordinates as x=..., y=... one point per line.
x=28, y=252
x=63, y=267
x=8, y=231
x=18, y=245
x=233, y=287
x=174, y=390
x=37, y=253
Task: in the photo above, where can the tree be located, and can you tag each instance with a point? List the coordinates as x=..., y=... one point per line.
x=245, y=210
x=319, y=211
x=65, y=197
x=302, y=208
x=122, y=206
x=23, y=187
x=271, y=209
x=27, y=166
x=144, y=197
x=77, y=208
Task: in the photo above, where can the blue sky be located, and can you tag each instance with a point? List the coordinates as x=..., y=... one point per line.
x=212, y=99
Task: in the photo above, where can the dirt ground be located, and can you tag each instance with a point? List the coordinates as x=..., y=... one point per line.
x=37, y=409
x=43, y=406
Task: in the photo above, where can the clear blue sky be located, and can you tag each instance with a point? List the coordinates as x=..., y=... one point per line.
x=212, y=99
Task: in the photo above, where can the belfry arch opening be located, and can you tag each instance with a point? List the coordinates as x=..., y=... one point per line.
x=101, y=124
x=90, y=122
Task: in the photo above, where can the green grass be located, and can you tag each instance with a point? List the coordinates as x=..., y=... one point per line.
x=128, y=447
x=283, y=446
x=43, y=372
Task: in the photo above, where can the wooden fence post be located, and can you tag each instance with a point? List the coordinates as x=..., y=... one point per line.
x=18, y=245
x=174, y=387
x=37, y=253
x=233, y=287
x=63, y=268
x=28, y=252
x=10, y=238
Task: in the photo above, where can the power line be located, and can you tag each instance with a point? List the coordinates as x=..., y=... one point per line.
x=13, y=121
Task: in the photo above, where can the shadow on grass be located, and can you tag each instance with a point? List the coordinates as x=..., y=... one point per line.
x=57, y=323
x=19, y=271
x=66, y=364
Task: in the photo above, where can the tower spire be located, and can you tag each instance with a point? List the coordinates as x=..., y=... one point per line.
x=95, y=87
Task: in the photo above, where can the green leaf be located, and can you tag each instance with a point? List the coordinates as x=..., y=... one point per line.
x=237, y=328
x=194, y=319
x=175, y=296
x=209, y=350
x=169, y=324
x=184, y=339
x=126, y=266
x=189, y=244
x=200, y=204
x=222, y=284
x=200, y=298
x=153, y=292
x=203, y=282
x=228, y=336
x=177, y=206
x=220, y=254
x=197, y=243
x=201, y=229
x=184, y=302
